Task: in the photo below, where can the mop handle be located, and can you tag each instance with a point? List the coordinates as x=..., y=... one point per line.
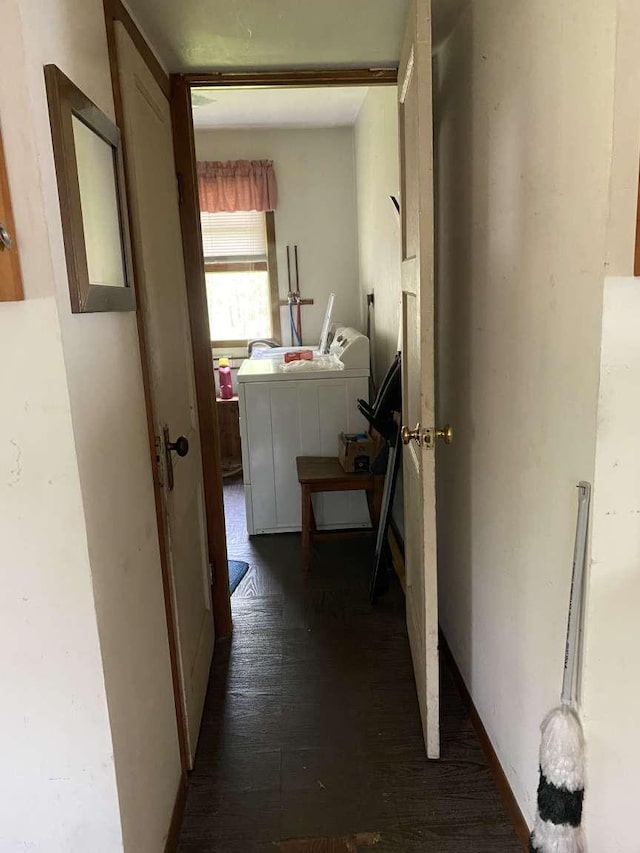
x=575, y=603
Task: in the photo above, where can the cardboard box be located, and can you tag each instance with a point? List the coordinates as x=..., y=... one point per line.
x=356, y=452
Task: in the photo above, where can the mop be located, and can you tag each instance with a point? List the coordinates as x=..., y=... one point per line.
x=561, y=789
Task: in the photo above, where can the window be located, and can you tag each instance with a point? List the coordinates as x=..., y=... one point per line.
x=241, y=276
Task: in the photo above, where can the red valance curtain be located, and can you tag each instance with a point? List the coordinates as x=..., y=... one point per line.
x=237, y=185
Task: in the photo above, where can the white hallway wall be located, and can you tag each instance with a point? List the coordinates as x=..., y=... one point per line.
x=379, y=244
x=378, y=178
x=81, y=544
x=534, y=200
x=315, y=170
x=58, y=787
x=611, y=689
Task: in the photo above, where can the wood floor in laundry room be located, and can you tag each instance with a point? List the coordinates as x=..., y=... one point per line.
x=311, y=727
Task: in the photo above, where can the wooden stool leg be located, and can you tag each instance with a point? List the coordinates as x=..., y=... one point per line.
x=306, y=527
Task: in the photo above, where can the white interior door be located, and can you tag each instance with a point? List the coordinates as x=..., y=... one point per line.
x=416, y=171
x=162, y=289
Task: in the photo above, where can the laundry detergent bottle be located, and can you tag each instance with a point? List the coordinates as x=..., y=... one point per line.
x=226, y=382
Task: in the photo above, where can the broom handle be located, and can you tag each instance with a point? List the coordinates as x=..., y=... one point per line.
x=575, y=603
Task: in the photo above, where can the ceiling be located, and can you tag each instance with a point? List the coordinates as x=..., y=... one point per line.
x=335, y=106
x=201, y=35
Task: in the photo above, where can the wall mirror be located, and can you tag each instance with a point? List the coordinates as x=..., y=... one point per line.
x=90, y=173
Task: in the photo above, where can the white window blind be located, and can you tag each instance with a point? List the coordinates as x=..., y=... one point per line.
x=237, y=236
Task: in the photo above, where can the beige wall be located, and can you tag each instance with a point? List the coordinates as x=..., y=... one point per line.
x=379, y=247
x=377, y=174
x=524, y=123
x=316, y=210
x=623, y=190
x=84, y=550
x=610, y=687
x=58, y=787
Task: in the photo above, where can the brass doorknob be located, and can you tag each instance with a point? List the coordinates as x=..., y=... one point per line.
x=445, y=433
x=426, y=436
x=409, y=435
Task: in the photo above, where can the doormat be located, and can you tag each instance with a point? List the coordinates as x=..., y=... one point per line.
x=343, y=844
x=237, y=570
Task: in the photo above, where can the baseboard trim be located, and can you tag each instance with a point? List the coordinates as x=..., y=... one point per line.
x=499, y=776
x=173, y=835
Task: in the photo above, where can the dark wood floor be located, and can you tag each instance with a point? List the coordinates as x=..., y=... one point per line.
x=311, y=727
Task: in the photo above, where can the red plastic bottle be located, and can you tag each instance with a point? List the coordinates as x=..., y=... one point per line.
x=226, y=382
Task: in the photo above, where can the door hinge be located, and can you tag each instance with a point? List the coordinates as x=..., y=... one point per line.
x=180, y=182
x=212, y=576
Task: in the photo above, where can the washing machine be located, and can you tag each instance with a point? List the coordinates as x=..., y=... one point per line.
x=289, y=413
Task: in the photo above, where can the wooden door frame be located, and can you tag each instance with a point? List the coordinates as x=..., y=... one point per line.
x=636, y=259
x=184, y=148
x=207, y=421
x=11, y=289
x=203, y=371
x=290, y=78
x=177, y=89
x=114, y=11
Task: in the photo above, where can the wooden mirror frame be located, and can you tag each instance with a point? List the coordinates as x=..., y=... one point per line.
x=66, y=101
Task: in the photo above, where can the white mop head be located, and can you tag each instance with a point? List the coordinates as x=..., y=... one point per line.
x=561, y=788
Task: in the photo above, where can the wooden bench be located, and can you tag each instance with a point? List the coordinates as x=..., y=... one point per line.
x=325, y=474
